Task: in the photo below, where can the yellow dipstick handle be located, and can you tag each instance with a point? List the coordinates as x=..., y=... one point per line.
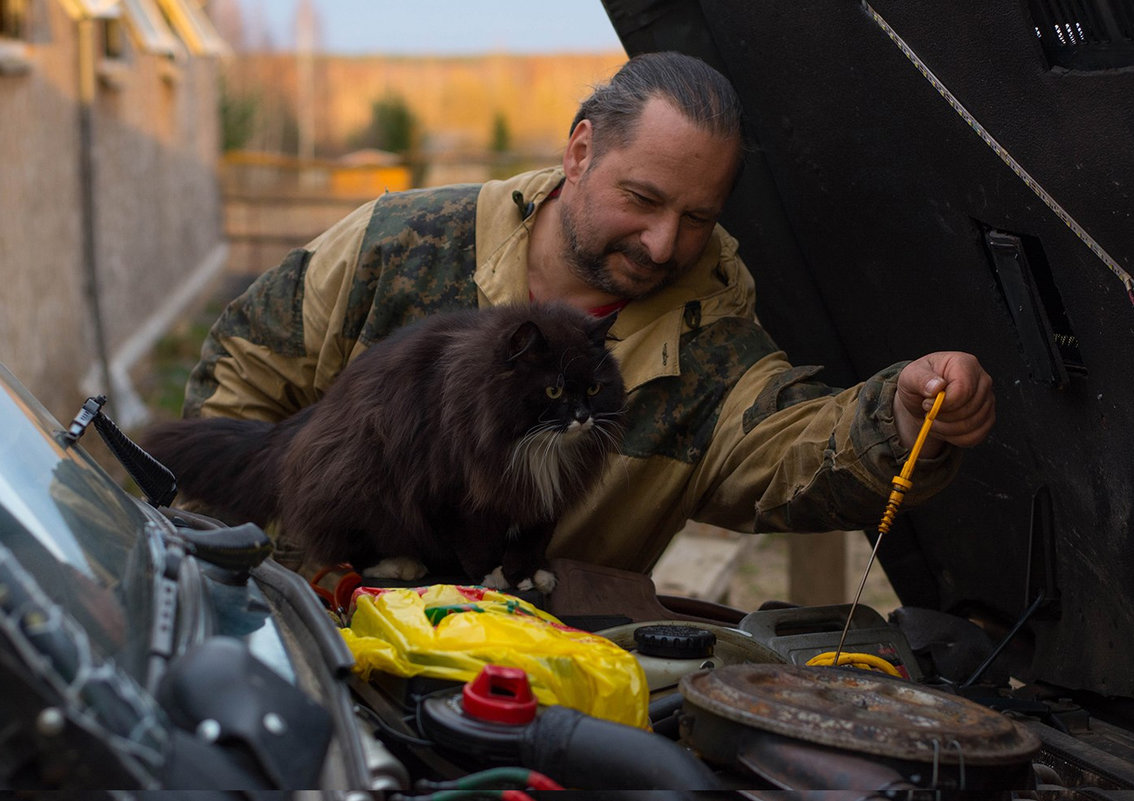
x=899, y=485
x=901, y=482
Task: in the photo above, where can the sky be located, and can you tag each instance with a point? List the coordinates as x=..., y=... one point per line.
x=442, y=26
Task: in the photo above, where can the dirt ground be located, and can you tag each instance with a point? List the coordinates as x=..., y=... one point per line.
x=744, y=571
x=763, y=567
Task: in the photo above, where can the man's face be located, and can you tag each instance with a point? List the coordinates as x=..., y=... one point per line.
x=639, y=216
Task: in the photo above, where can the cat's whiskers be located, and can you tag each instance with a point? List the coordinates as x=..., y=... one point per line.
x=608, y=432
x=609, y=425
x=531, y=458
x=550, y=459
x=606, y=356
x=566, y=359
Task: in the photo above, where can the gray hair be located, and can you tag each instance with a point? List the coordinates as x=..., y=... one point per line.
x=694, y=88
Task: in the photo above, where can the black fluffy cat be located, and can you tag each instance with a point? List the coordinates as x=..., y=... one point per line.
x=453, y=445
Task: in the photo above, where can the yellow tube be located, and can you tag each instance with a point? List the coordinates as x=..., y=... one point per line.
x=860, y=661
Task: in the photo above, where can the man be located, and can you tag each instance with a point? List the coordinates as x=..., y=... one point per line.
x=721, y=427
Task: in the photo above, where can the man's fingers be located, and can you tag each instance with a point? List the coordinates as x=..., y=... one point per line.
x=968, y=425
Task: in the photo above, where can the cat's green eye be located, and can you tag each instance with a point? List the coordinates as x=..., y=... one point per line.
x=554, y=392
x=594, y=389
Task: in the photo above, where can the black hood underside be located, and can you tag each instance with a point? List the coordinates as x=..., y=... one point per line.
x=958, y=176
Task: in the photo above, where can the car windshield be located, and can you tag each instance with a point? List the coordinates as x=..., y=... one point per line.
x=66, y=521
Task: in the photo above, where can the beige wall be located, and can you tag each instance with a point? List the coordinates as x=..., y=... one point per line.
x=156, y=200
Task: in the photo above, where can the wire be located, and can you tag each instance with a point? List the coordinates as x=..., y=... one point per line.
x=494, y=778
x=389, y=731
x=462, y=795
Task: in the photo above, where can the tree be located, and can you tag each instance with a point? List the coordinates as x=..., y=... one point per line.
x=393, y=127
x=504, y=161
x=501, y=139
x=238, y=117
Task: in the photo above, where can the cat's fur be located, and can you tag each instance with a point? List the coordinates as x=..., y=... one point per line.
x=458, y=441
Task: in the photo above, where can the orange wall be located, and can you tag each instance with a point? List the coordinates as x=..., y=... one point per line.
x=454, y=98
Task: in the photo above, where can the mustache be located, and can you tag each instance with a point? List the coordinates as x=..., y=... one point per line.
x=640, y=257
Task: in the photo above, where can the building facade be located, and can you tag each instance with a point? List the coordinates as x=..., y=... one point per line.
x=110, y=209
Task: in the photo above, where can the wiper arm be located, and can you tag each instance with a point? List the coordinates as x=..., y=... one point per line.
x=154, y=479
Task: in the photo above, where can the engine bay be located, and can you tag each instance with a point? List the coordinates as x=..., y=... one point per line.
x=734, y=707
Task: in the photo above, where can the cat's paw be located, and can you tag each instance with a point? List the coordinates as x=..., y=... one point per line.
x=544, y=580
x=495, y=580
x=405, y=568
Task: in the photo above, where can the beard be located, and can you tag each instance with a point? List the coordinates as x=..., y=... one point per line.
x=593, y=264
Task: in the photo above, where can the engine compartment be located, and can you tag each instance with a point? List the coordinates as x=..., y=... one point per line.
x=734, y=708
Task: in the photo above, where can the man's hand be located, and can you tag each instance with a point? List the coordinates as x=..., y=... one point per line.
x=968, y=412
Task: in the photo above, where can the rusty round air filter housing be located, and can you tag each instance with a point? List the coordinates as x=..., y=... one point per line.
x=794, y=724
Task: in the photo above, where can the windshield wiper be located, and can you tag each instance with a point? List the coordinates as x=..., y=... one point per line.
x=155, y=480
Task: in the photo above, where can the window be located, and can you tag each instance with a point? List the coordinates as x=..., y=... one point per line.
x=193, y=26
x=113, y=37
x=113, y=53
x=146, y=22
x=14, y=59
x=1085, y=34
x=13, y=19
x=107, y=14
x=91, y=9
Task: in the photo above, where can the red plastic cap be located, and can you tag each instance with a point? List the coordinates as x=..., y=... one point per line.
x=500, y=695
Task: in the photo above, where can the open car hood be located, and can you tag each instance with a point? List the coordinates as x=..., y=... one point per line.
x=941, y=176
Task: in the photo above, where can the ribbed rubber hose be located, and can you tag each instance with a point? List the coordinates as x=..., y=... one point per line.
x=597, y=754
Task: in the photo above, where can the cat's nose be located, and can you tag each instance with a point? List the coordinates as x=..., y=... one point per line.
x=582, y=414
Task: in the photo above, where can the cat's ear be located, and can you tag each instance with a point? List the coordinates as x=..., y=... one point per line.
x=527, y=342
x=601, y=326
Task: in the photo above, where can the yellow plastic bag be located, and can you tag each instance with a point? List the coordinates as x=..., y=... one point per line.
x=451, y=632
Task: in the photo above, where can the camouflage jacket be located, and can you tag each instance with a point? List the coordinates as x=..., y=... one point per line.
x=722, y=428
